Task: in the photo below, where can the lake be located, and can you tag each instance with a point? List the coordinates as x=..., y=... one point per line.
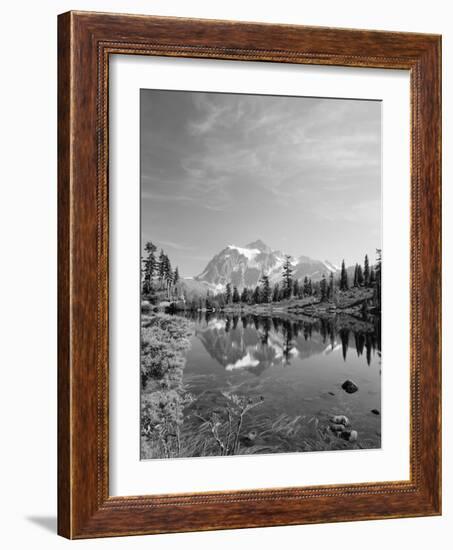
x=296, y=366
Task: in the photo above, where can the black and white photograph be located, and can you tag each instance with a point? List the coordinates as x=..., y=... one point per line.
x=228, y=228
x=260, y=275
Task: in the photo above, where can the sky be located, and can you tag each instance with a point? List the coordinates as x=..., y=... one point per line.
x=302, y=174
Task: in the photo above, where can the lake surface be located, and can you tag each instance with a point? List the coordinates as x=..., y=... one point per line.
x=296, y=366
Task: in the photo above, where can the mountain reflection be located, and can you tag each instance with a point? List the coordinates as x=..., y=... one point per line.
x=256, y=343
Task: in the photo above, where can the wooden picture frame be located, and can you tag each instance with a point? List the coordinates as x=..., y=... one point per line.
x=85, y=42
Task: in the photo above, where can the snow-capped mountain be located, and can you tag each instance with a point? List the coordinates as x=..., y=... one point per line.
x=244, y=266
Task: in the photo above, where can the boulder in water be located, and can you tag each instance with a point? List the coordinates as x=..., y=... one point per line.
x=349, y=435
x=349, y=386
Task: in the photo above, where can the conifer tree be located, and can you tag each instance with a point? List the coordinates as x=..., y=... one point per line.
x=276, y=293
x=149, y=267
x=356, y=278
x=366, y=271
x=296, y=289
x=245, y=295
x=307, y=291
x=228, y=293
x=265, y=289
x=161, y=266
x=330, y=290
x=310, y=288
x=323, y=288
x=176, y=276
x=168, y=273
x=359, y=275
x=378, y=273
x=372, y=276
x=256, y=297
x=236, y=297
x=287, y=274
x=343, y=277
x=168, y=276
x=208, y=301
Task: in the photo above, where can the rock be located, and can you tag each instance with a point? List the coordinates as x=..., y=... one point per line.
x=349, y=386
x=375, y=411
x=349, y=435
x=330, y=393
x=340, y=419
x=336, y=428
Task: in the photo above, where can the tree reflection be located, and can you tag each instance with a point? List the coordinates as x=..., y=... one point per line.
x=344, y=336
x=274, y=339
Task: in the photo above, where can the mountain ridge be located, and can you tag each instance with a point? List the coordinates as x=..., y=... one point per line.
x=244, y=266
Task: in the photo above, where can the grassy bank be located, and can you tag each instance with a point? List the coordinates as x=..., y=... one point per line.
x=164, y=340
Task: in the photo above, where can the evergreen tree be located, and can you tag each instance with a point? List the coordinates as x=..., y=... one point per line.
x=366, y=271
x=287, y=277
x=316, y=289
x=343, y=277
x=149, y=267
x=323, y=288
x=176, y=276
x=296, y=289
x=372, y=276
x=330, y=290
x=236, y=297
x=161, y=266
x=265, y=289
x=378, y=273
x=307, y=290
x=359, y=275
x=245, y=295
x=256, y=297
x=208, y=301
x=356, y=277
x=310, y=288
x=168, y=273
x=228, y=293
x=168, y=269
x=276, y=293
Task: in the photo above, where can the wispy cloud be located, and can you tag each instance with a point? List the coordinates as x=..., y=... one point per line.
x=254, y=139
x=153, y=196
x=172, y=244
x=209, y=114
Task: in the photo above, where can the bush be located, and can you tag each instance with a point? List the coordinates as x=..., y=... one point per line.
x=164, y=339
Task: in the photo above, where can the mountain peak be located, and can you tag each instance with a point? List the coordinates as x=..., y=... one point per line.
x=260, y=245
x=244, y=266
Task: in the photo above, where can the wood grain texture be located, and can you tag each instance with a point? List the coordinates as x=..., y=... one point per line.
x=86, y=40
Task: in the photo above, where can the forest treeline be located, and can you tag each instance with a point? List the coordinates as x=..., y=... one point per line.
x=160, y=280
